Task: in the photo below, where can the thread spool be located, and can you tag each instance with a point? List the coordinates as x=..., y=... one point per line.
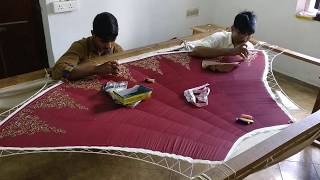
x=248, y=121
x=246, y=116
x=149, y=80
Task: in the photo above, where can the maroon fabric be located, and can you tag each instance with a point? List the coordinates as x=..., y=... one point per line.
x=79, y=114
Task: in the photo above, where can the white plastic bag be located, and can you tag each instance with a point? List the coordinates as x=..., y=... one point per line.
x=198, y=95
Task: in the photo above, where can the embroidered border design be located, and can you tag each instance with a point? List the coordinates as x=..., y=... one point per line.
x=85, y=84
x=251, y=57
x=124, y=72
x=183, y=59
x=151, y=63
x=25, y=123
x=57, y=99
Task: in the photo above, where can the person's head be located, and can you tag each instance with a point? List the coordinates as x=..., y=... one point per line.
x=243, y=27
x=105, y=31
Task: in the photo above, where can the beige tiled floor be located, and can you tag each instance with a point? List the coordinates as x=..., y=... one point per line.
x=304, y=165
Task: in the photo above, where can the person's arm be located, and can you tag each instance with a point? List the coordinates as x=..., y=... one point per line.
x=81, y=70
x=88, y=68
x=213, y=46
x=69, y=66
x=207, y=52
x=68, y=61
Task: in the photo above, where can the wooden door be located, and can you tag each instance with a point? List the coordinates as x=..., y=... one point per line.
x=22, y=43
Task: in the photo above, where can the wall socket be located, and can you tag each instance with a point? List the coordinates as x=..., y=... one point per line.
x=65, y=6
x=193, y=12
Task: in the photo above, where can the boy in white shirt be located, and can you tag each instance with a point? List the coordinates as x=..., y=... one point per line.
x=231, y=43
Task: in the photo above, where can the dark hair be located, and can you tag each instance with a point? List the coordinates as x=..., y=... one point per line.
x=245, y=22
x=105, y=26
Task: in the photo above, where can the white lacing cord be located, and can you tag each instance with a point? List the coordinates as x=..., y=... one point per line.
x=259, y=44
x=222, y=167
x=271, y=70
x=271, y=64
x=8, y=112
x=204, y=177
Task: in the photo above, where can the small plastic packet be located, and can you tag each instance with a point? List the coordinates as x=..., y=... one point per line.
x=198, y=95
x=115, y=86
x=112, y=86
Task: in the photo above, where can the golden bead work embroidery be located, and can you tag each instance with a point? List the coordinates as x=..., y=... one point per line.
x=85, y=84
x=57, y=99
x=251, y=57
x=181, y=58
x=152, y=63
x=124, y=72
x=25, y=123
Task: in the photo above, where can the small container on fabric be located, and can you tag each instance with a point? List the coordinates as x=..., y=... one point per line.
x=112, y=86
x=246, y=116
x=248, y=121
x=149, y=80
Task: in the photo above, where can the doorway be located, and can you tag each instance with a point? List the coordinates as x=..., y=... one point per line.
x=22, y=40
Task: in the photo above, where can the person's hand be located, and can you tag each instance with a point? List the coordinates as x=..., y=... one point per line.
x=110, y=67
x=223, y=67
x=242, y=51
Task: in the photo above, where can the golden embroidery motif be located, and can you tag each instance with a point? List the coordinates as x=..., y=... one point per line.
x=251, y=57
x=124, y=72
x=181, y=58
x=25, y=123
x=85, y=84
x=152, y=63
x=57, y=99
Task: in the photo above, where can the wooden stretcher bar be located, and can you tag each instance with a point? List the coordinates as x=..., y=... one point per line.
x=271, y=151
x=290, y=53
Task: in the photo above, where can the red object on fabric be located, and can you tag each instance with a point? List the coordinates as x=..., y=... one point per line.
x=80, y=114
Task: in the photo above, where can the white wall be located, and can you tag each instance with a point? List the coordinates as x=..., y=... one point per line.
x=141, y=22
x=145, y=22
x=277, y=25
